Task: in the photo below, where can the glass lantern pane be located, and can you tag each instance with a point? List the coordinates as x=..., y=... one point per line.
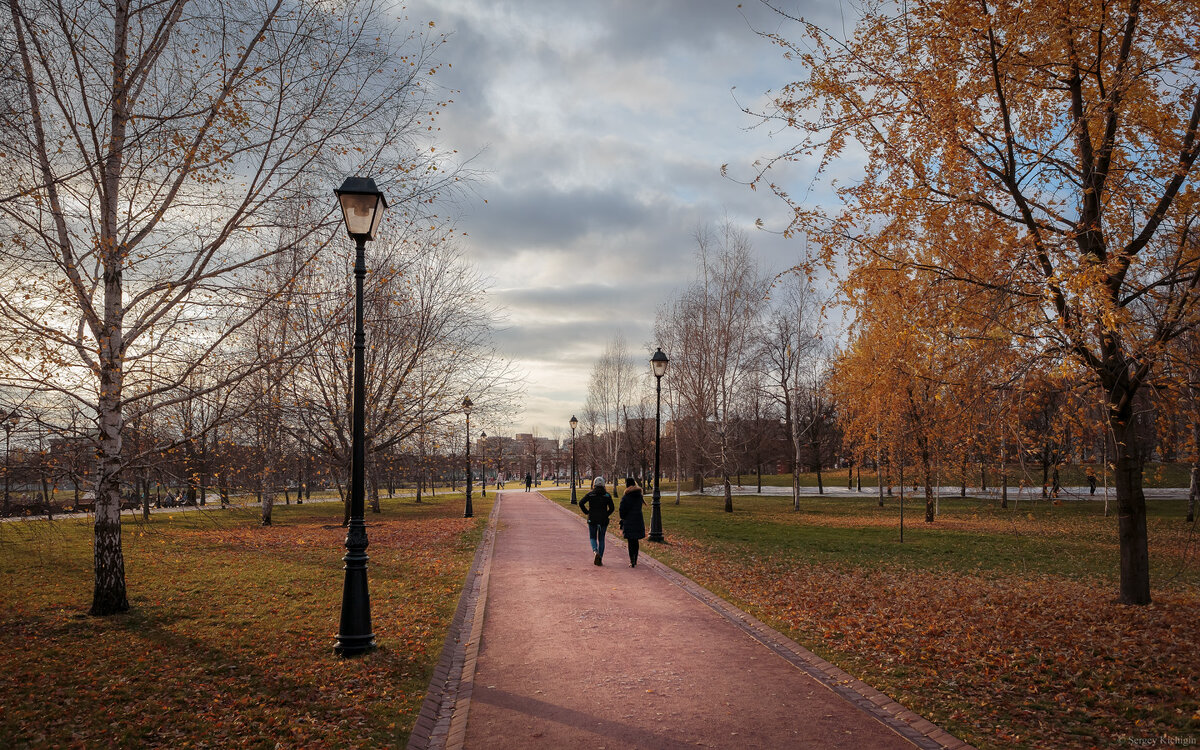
x=377, y=220
x=359, y=212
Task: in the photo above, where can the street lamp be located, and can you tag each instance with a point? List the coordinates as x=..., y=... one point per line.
x=10, y=424
x=574, y=424
x=362, y=210
x=466, y=406
x=658, y=363
x=483, y=481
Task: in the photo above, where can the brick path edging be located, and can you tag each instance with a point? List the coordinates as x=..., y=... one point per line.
x=442, y=721
x=913, y=727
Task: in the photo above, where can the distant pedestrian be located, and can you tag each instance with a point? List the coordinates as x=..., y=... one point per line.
x=633, y=525
x=597, y=505
x=528, y=482
x=1091, y=477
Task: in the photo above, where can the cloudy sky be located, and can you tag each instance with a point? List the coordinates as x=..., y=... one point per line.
x=601, y=128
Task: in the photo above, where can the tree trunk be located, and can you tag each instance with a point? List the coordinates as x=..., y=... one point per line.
x=728, y=495
x=1131, y=509
x=145, y=493
x=203, y=470
x=1193, y=492
x=817, y=463
x=879, y=470
x=1003, y=471
x=108, y=592
x=268, y=504
x=678, y=476
x=48, y=496
x=795, y=465
x=930, y=514
x=1194, y=487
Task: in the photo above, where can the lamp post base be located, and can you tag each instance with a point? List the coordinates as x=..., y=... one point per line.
x=354, y=632
x=656, y=534
x=354, y=645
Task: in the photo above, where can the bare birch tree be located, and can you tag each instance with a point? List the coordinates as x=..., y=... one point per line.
x=611, y=389
x=147, y=154
x=711, y=331
x=788, y=342
x=431, y=327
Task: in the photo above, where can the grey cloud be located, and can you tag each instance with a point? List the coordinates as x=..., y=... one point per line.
x=543, y=217
x=575, y=342
x=605, y=126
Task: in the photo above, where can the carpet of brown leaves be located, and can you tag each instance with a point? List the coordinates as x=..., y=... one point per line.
x=1004, y=661
x=229, y=639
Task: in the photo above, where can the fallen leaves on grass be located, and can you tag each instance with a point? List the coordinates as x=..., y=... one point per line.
x=1007, y=661
x=229, y=641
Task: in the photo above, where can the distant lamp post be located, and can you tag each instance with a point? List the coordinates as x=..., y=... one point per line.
x=574, y=424
x=362, y=210
x=658, y=363
x=467, y=406
x=483, y=461
x=10, y=424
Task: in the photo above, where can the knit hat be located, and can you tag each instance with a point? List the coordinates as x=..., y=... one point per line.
x=599, y=482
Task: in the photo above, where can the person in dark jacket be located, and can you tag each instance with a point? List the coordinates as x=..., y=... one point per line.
x=633, y=526
x=597, y=505
x=528, y=482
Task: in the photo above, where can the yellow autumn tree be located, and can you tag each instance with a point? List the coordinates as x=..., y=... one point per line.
x=1072, y=125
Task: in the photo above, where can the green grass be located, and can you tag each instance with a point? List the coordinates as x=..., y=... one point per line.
x=230, y=633
x=1070, y=475
x=1073, y=539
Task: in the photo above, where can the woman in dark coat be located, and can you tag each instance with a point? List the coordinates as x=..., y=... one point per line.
x=633, y=526
x=597, y=505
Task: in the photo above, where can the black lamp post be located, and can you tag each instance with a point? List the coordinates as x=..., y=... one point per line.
x=10, y=424
x=483, y=461
x=574, y=424
x=659, y=364
x=362, y=209
x=466, y=405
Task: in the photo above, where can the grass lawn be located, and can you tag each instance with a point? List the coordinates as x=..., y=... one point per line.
x=229, y=639
x=1070, y=475
x=999, y=625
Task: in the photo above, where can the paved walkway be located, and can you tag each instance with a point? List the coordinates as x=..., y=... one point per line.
x=559, y=653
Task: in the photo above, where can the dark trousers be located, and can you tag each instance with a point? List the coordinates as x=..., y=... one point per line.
x=596, y=535
x=633, y=550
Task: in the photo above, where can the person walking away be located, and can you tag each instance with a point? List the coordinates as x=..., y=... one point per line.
x=597, y=505
x=633, y=525
x=1091, y=477
x=528, y=482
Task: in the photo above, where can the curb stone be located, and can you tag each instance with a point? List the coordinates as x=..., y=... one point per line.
x=441, y=723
